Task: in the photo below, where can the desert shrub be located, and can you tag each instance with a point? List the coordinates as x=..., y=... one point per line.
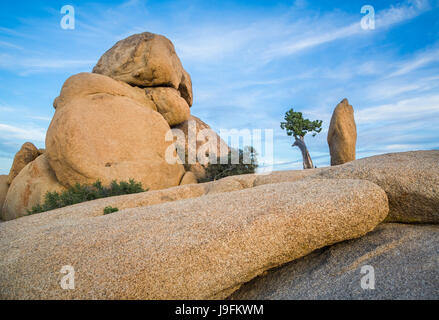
x=82, y=193
x=219, y=170
x=108, y=210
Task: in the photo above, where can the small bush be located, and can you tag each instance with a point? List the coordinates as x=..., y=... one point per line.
x=82, y=193
x=218, y=170
x=109, y=210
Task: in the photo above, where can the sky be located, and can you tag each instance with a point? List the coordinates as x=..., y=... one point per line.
x=250, y=62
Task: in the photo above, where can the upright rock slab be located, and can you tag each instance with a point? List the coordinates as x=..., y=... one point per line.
x=342, y=134
x=410, y=179
x=29, y=189
x=106, y=130
x=199, y=248
x=25, y=155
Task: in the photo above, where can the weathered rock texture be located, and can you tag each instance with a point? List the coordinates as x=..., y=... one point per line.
x=29, y=188
x=145, y=60
x=196, y=248
x=25, y=155
x=342, y=134
x=404, y=257
x=188, y=178
x=410, y=179
x=4, y=186
x=191, y=129
x=170, y=104
x=106, y=130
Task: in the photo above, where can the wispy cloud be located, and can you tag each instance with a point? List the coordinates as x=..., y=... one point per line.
x=9, y=132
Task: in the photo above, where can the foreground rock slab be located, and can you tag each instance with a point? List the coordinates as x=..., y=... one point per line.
x=410, y=179
x=404, y=257
x=202, y=248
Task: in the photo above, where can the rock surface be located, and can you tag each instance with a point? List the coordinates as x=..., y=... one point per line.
x=196, y=248
x=108, y=132
x=143, y=60
x=188, y=178
x=4, y=186
x=169, y=104
x=25, y=155
x=410, y=179
x=404, y=257
x=191, y=129
x=29, y=188
x=342, y=134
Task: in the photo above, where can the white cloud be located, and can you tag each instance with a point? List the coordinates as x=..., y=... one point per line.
x=22, y=133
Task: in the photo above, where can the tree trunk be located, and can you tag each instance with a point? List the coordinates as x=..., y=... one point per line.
x=307, y=162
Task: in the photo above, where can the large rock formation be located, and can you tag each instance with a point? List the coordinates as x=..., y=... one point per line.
x=404, y=258
x=29, y=188
x=4, y=186
x=342, y=134
x=106, y=130
x=196, y=248
x=191, y=129
x=410, y=179
x=146, y=60
x=25, y=155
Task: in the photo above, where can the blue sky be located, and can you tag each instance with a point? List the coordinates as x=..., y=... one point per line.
x=250, y=61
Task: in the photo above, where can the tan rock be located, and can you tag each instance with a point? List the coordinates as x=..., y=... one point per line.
x=27, y=154
x=109, y=135
x=283, y=176
x=342, y=134
x=192, y=128
x=185, y=88
x=410, y=179
x=188, y=178
x=4, y=186
x=29, y=189
x=169, y=104
x=223, y=185
x=198, y=248
x=142, y=60
x=83, y=85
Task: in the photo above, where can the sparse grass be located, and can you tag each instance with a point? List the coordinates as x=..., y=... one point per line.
x=109, y=210
x=82, y=193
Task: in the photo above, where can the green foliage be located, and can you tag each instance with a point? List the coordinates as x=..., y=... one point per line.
x=299, y=127
x=108, y=210
x=82, y=193
x=218, y=170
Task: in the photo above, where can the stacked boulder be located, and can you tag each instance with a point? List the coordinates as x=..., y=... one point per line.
x=109, y=125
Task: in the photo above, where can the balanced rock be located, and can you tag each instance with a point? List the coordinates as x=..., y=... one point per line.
x=404, y=258
x=106, y=130
x=342, y=134
x=4, y=186
x=194, y=141
x=170, y=104
x=27, y=154
x=145, y=60
x=410, y=179
x=29, y=188
x=201, y=248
